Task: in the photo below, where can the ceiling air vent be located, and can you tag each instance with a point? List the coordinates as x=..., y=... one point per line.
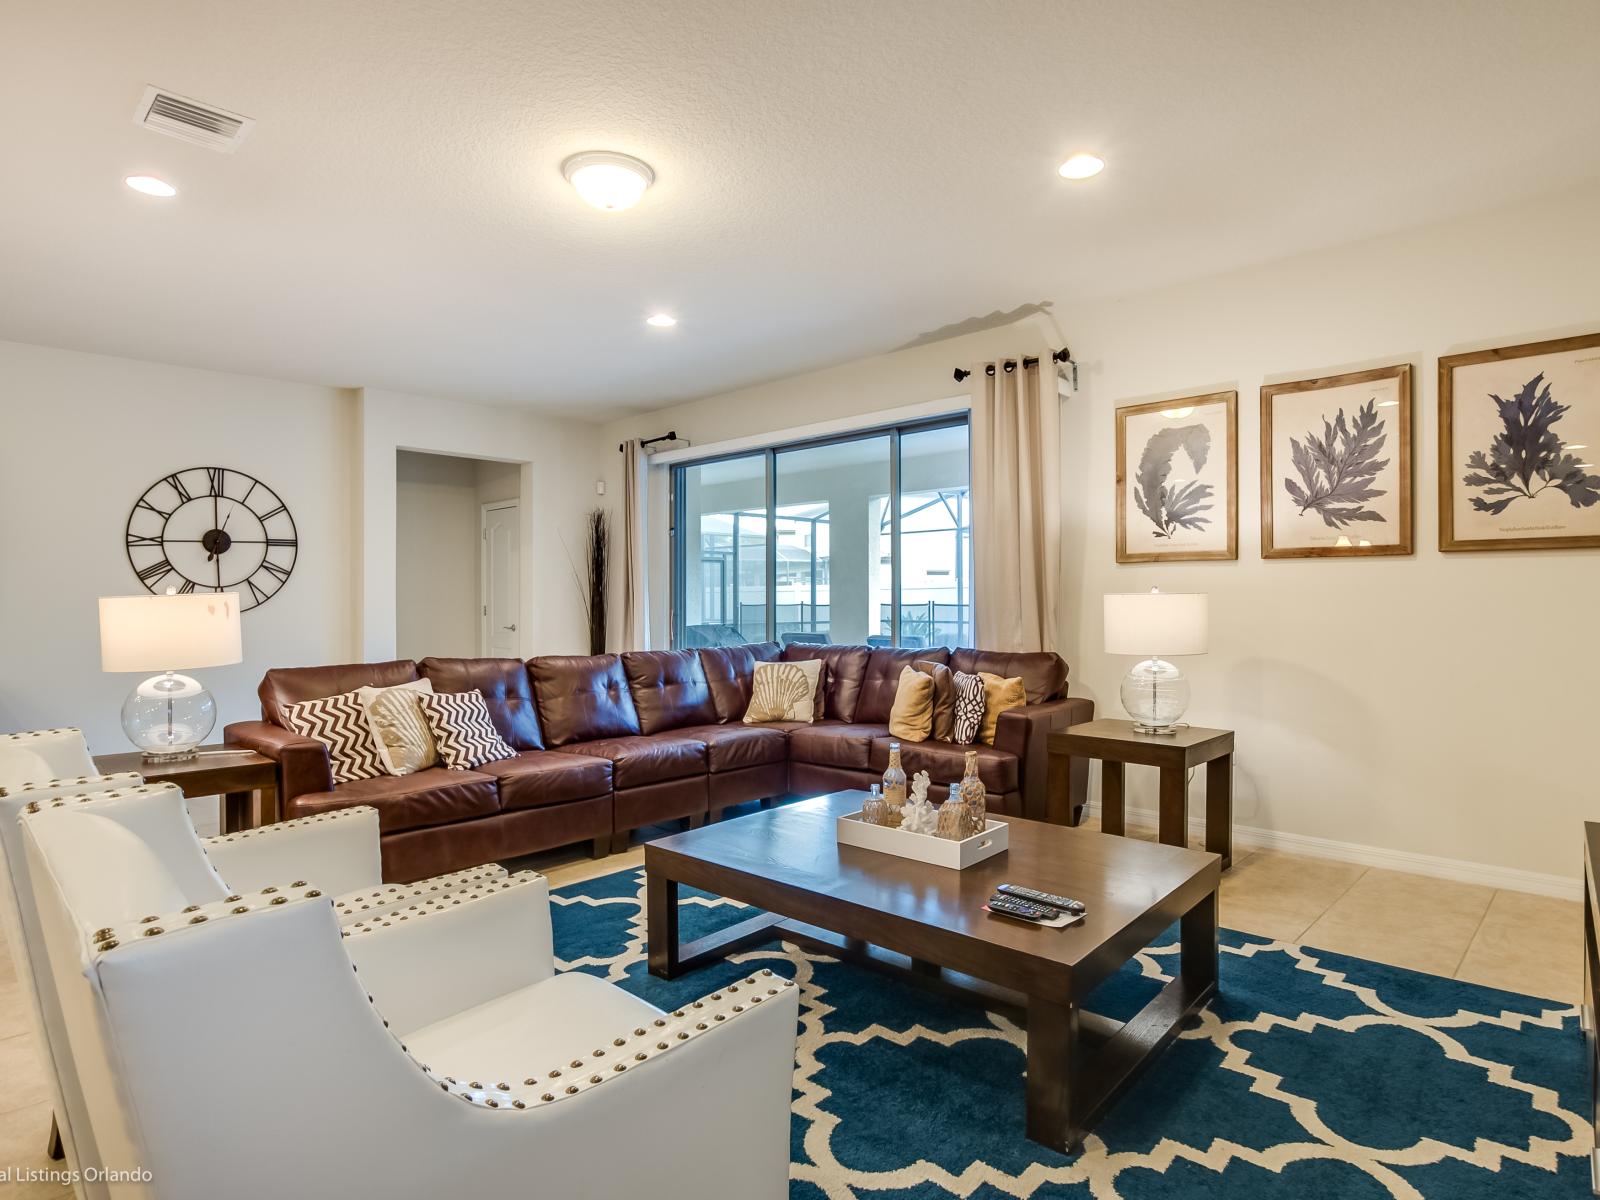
x=180, y=117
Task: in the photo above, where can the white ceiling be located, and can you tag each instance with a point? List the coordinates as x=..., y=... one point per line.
x=833, y=179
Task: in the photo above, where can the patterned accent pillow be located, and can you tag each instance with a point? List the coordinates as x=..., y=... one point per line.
x=405, y=743
x=462, y=729
x=969, y=708
x=784, y=691
x=339, y=723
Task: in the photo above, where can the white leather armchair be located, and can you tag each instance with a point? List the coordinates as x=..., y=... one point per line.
x=397, y=1042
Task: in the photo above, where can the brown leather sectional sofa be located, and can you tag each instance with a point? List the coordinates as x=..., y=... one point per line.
x=609, y=743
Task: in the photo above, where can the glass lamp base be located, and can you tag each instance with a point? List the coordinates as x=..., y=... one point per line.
x=1156, y=695
x=168, y=717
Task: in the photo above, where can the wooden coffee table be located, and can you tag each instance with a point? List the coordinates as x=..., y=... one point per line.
x=928, y=923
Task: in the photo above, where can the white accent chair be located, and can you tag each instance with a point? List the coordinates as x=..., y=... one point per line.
x=227, y=1048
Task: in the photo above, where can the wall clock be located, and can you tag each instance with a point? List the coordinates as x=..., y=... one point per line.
x=211, y=529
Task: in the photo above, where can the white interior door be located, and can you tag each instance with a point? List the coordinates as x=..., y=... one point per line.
x=502, y=579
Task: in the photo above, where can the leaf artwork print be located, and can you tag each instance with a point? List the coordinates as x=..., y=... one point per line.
x=1528, y=457
x=1173, y=508
x=1337, y=470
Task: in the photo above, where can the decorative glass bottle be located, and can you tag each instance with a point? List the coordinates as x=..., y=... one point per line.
x=874, y=811
x=974, y=801
x=952, y=818
x=894, y=786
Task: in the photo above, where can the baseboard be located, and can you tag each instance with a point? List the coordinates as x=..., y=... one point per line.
x=1511, y=879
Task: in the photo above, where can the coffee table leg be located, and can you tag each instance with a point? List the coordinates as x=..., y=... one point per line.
x=1198, y=951
x=1219, y=808
x=1174, y=818
x=1111, y=807
x=661, y=929
x=1052, y=1067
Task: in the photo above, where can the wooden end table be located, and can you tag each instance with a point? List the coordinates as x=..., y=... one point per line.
x=232, y=772
x=1116, y=745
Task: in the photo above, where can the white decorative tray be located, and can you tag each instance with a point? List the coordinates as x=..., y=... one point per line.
x=924, y=847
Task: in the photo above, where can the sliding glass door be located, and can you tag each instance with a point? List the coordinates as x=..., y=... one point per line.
x=863, y=538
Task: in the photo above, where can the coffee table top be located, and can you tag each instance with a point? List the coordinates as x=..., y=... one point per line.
x=788, y=860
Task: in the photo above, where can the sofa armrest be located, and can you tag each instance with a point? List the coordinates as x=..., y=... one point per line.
x=1025, y=731
x=303, y=764
x=337, y=852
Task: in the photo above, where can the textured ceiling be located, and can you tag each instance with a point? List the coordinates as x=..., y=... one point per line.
x=834, y=179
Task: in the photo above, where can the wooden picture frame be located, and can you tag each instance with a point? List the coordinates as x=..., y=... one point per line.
x=1491, y=490
x=1370, y=509
x=1193, y=430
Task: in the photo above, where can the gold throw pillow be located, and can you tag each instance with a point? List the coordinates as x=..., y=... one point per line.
x=911, y=716
x=944, y=699
x=405, y=743
x=784, y=691
x=998, y=695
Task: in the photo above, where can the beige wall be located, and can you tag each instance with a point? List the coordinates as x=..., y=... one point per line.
x=437, y=550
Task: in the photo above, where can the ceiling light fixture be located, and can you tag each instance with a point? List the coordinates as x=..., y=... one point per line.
x=1081, y=166
x=609, y=181
x=150, y=185
x=661, y=320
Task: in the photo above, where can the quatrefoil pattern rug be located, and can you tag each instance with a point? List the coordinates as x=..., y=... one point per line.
x=1311, y=1075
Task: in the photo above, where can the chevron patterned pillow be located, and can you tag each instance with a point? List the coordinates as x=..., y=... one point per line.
x=340, y=723
x=462, y=729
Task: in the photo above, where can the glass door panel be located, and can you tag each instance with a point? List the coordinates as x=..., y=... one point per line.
x=935, y=538
x=721, y=565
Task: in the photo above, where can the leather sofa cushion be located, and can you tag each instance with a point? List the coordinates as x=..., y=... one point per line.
x=669, y=689
x=582, y=698
x=293, y=685
x=946, y=762
x=881, y=679
x=539, y=777
x=507, y=693
x=637, y=761
x=729, y=671
x=845, y=667
x=1044, y=675
x=435, y=796
x=835, y=744
x=734, y=747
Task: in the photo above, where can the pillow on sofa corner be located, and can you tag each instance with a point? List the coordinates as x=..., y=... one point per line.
x=911, y=715
x=968, y=721
x=462, y=729
x=998, y=695
x=339, y=723
x=944, y=699
x=784, y=691
x=404, y=741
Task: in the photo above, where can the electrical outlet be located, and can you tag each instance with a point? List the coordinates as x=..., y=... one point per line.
x=599, y=487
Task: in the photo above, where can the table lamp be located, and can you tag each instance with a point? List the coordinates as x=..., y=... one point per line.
x=1155, y=625
x=169, y=715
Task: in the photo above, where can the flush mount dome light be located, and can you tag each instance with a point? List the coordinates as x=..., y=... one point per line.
x=661, y=320
x=1081, y=166
x=608, y=180
x=150, y=185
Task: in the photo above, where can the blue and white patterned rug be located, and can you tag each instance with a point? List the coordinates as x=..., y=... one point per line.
x=1311, y=1075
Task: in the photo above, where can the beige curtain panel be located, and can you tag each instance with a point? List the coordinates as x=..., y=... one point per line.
x=635, y=518
x=1016, y=507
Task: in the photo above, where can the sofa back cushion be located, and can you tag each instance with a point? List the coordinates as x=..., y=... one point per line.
x=882, y=679
x=1044, y=674
x=845, y=667
x=582, y=698
x=669, y=689
x=507, y=692
x=283, y=686
x=729, y=671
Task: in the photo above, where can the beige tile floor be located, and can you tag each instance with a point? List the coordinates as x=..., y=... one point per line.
x=1501, y=939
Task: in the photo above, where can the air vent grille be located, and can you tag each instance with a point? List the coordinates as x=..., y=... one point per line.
x=181, y=117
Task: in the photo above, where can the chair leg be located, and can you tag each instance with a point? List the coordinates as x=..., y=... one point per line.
x=54, y=1149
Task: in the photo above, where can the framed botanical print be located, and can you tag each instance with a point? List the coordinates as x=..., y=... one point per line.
x=1178, y=479
x=1336, y=466
x=1519, y=447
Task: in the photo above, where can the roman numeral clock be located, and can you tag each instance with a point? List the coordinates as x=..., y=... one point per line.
x=210, y=529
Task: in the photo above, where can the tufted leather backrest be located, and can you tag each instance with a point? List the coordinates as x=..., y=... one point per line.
x=730, y=671
x=582, y=698
x=1044, y=674
x=293, y=685
x=669, y=689
x=882, y=679
x=845, y=667
x=507, y=692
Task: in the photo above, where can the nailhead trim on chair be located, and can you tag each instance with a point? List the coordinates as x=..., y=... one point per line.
x=116, y=779
x=439, y=903
x=296, y=823
x=356, y=907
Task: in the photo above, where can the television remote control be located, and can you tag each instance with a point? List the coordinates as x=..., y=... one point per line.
x=1075, y=907
x=1011, y=907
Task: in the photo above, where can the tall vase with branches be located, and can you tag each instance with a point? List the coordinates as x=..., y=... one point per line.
x=592, y=583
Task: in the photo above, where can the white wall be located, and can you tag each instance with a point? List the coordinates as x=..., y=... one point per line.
x=437, y=552
x=81, y=437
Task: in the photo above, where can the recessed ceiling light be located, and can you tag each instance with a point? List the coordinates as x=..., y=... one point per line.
x=1081, y=166
x=606, y=180
x=150, y=185
x=661, y=320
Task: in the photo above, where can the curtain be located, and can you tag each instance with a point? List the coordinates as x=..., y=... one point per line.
x=1016, y=508
x=635, y=518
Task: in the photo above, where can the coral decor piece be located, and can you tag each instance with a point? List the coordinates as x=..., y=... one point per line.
x=919, y=816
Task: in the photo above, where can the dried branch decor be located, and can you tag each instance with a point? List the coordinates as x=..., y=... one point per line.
x=592, y=580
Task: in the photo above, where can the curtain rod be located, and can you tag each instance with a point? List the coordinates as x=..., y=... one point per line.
x=670, y=435
x=1063, y=355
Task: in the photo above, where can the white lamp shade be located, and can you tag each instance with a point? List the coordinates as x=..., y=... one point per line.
x=1156, y=624
x=169, y=633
